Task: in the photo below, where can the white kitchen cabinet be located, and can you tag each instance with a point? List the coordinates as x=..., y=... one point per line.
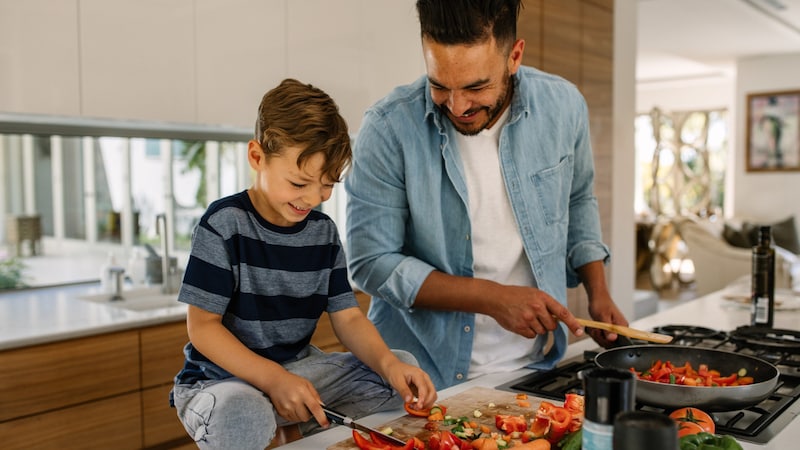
x=240, y=56
x=356, y=50
x=200, y=61
x=39, y=57
x=138, y=59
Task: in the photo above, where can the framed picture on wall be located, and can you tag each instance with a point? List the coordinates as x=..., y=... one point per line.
x=773, y=133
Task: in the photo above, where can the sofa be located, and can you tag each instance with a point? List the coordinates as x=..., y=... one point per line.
x=722, y=251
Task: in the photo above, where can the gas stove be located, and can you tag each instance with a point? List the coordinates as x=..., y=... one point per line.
x=758, y=423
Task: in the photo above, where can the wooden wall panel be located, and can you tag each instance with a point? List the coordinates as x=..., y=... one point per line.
x=529, y=28
x=575, y=40
x=597, y=86
x=561, y=38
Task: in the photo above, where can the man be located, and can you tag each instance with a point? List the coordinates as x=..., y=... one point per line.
x=470, y=204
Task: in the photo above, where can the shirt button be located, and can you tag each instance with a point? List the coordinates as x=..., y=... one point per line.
x=459, y=376
x=467, y=237
x=466, y=328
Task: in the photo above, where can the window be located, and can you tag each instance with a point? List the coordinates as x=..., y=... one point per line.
x=100, y=184
x=680, y=171
x=680, y=162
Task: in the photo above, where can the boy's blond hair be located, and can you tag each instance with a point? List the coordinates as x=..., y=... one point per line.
x=295, y=114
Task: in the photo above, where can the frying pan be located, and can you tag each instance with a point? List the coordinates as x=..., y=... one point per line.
x=673, y=396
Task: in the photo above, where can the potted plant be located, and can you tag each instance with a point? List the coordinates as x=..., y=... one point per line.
x=11, y=273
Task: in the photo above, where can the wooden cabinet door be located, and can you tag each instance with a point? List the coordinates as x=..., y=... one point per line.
x=162, y=353
x=51, y=376
x=113, y=423
x=160, y=421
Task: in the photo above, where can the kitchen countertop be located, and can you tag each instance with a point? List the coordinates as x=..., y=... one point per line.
x=37, y=316
x=712, y=311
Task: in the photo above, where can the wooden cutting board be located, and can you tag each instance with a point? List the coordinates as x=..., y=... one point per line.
x=463, y=404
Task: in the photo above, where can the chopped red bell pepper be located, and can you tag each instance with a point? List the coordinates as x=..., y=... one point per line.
x=510, y=423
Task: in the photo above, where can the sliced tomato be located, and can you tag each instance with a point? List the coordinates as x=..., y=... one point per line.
x=510, y=423
x=418, y=443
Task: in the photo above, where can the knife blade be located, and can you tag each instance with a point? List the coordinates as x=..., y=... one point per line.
x=341, y=419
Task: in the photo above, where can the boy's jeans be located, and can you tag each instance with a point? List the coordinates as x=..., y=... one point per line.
x=232, y=414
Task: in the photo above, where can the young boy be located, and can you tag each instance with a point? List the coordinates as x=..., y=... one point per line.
x=264, y=265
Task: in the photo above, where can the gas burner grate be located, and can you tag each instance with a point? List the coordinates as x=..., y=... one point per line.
x=689, y=332
x=773, y=339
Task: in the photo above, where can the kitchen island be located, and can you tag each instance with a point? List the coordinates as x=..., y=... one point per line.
x=713, y=311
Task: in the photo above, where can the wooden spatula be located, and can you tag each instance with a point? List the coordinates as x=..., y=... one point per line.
x=626, y=331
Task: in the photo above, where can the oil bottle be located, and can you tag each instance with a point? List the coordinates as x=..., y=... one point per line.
x=762, y=311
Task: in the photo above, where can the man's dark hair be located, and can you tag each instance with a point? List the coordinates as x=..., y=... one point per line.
x=453, y=22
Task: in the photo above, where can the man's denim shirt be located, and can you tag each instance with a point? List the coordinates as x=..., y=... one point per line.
x=408, y=215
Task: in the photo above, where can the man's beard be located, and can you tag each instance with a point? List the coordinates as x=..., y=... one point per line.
x=492, y=113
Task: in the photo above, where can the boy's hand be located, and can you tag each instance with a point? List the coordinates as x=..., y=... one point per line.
x=412, y=382
x=295, y=399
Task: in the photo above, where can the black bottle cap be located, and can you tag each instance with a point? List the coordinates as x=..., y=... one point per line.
x=637, y=430
x=608, y=392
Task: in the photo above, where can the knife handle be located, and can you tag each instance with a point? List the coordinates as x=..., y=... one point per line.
x=335, y=416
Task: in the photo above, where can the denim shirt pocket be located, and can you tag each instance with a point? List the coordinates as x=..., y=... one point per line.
x=552, y=186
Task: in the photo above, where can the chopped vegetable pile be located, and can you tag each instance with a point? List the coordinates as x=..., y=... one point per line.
x=666, y=372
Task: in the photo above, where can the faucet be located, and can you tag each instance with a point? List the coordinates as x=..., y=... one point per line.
x=166, y=267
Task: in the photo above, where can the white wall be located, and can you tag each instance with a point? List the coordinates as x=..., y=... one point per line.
x=686, y=95
x=764, y=195
x=623, y=244
x=200, y=61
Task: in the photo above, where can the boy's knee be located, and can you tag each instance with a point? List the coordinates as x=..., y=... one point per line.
x=240, y=420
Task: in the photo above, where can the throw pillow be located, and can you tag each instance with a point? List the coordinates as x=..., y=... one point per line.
x=735, y=236
x=784, y=234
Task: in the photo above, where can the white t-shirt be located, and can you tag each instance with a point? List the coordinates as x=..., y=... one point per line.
x=497, y=250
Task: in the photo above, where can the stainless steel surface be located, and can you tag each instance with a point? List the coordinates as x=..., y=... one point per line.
x=722, y=398
x=168, y=281
x=341, y=419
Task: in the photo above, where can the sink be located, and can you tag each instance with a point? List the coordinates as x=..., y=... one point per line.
x=139, y=299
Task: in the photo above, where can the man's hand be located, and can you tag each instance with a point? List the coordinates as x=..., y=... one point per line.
x=530, y=312
x=603, y=309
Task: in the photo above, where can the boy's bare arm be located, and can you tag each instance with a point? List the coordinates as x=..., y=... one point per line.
x=293, y=396
x=361, y=337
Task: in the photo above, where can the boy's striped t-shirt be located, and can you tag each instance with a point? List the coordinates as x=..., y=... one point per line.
x=270, y=283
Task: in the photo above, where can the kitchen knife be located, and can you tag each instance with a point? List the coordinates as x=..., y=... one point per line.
x=341, y=419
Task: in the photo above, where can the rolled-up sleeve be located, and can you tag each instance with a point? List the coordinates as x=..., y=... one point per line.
x=377, y=212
